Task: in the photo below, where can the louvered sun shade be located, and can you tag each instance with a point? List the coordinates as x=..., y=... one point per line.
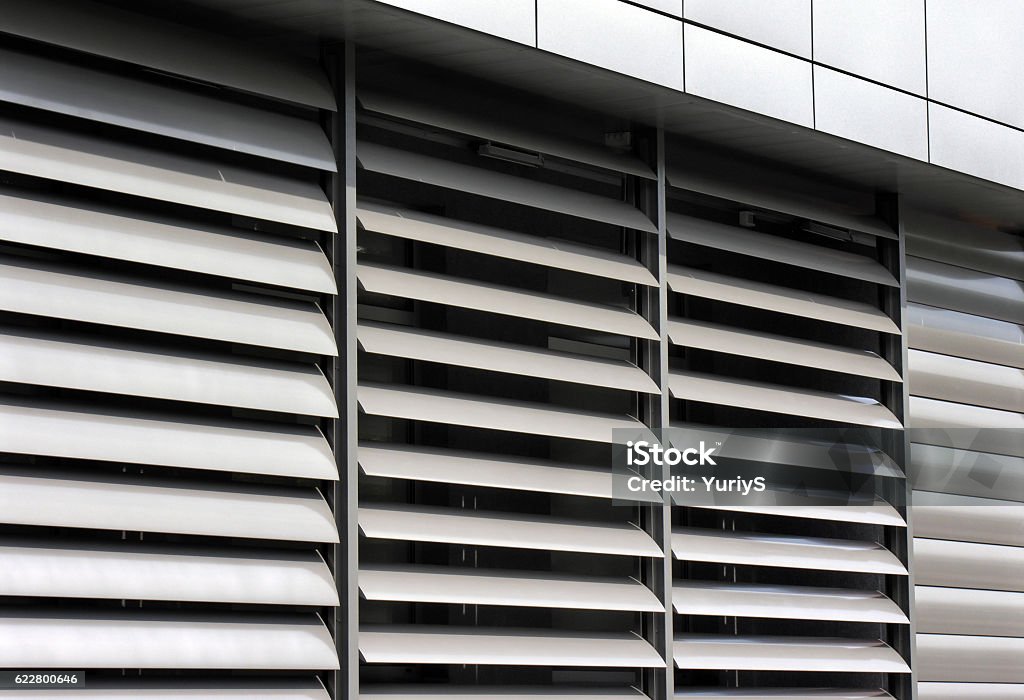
x=498, y=335
x=772, y=325
x=965, y=331
x=160, y=349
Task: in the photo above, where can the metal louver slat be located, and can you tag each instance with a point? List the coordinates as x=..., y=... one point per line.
x=504, y=692
x=786, y=551
x=877, y=513
x=481, y=296
x=490, y=240
x=483, y=469
x=955, y=657
x=139, y=437
x=959, y=611
x=764, y=653
x=165, y=505
x=777, y=249
x=787, y=602
x=759, y=396
x=783, y=300
x=777, y=348
x=797, y=451
x=462, y=121
x=122, y=234
x=442, y=584
x=141, y=639
x=135, y=104
x=487, y=183
x=90, y=363
x=963, y=335
x=144, y=172
x=443, y=348
x=131, y=571
x=491, y=529
x=139, y=303
x=784, y=693
x=503, y=646
x=787, y=201
x=414, y=403
x=968, y=564
x=99, y=29
x=176, y=688
x=966, y=381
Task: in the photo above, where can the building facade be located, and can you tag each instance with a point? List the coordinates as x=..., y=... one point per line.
x=320, y=319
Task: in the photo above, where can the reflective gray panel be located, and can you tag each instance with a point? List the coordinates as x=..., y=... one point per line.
x=647, y=45
x=872, y=114
x=960, y=611
x=782, y=24
x=750, y=77
x=948, y=657
x=964, y=335
x=969, y=691
x=966, y=472
x=966, y=381
x=978, y=247
x=968, y=565
x=962, y=289
x=879, y=39
x=969, y=519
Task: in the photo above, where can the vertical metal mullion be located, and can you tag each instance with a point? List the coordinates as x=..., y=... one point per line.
x=654, y=252
x=344, y=559
x=663, y=398
x=897, y=399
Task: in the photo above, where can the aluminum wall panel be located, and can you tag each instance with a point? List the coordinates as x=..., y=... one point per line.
x=513, y=20
x=780, y=24
x=973, y=52
x=882, y=40
x=750, y=77
x=863, y=111
x=976, y=146
x=647, y=46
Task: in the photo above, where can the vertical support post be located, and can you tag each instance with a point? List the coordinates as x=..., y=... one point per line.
x=653, y=252
x=343, y=435
x=663, y=399
x=897, y=399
